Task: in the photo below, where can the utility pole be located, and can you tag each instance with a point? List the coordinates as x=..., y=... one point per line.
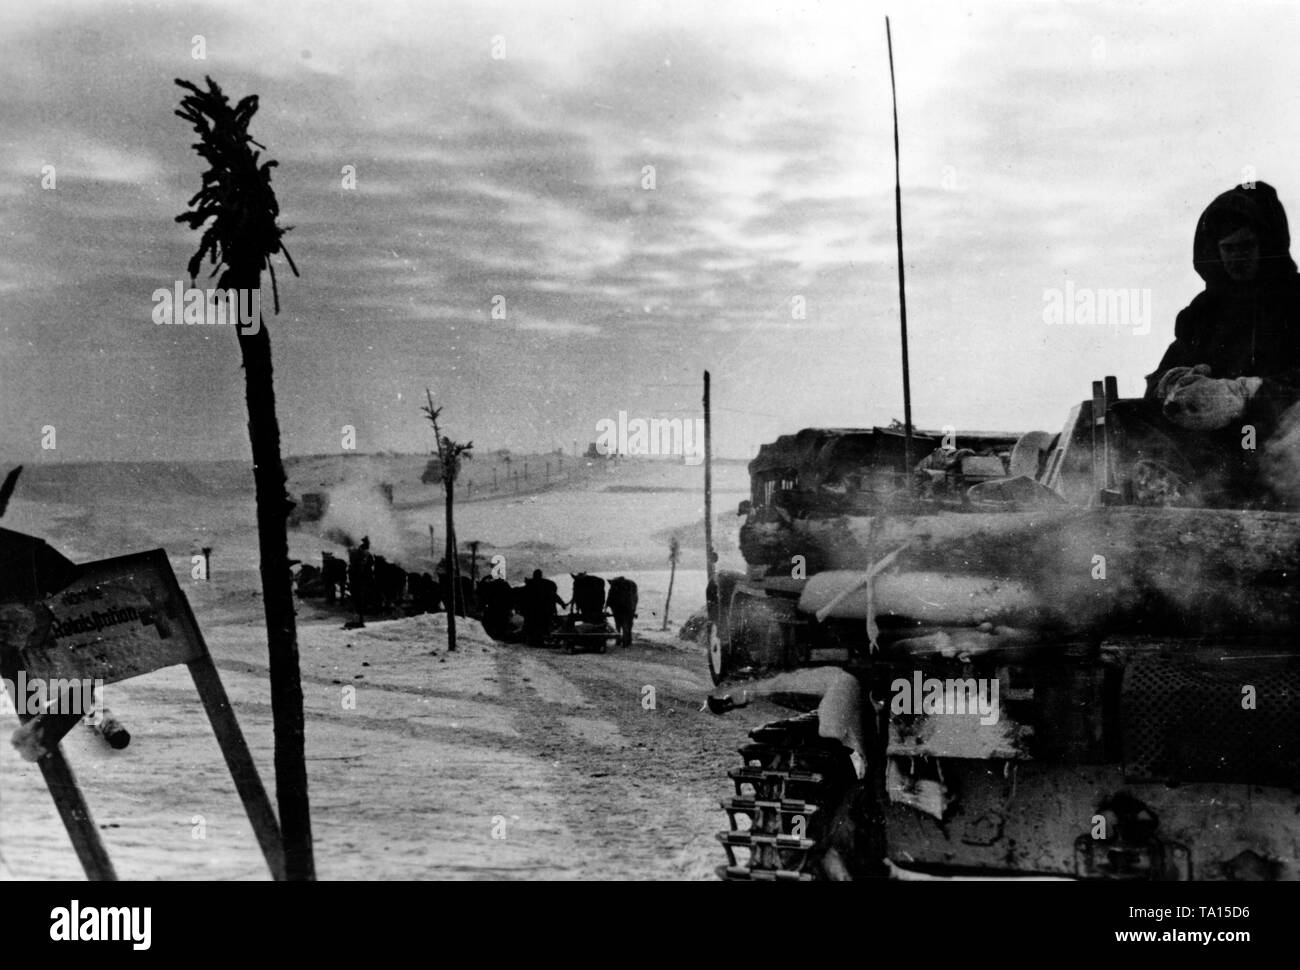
x=457, y=601
x=708, y=484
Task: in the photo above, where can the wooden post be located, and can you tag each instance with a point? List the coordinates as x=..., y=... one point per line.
x=453, y=575
x=56, y=771
x=240, y=762
x=238, y=758
x=72, y=807
x=25, y=639
x=673, y=548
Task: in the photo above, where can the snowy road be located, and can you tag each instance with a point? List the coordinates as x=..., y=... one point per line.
x=496, y=762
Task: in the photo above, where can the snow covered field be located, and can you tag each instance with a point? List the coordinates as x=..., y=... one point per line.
x=493, y=762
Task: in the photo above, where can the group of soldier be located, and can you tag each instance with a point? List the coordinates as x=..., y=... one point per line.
x=374, y=587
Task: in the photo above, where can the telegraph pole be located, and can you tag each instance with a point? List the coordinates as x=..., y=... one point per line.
x=708, y=482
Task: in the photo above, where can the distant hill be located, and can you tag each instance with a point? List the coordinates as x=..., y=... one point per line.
x=83, y=482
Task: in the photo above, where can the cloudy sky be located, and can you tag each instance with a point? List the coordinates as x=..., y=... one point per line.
x=500, y=150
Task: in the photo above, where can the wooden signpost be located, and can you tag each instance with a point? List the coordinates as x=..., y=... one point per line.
x=120, y=618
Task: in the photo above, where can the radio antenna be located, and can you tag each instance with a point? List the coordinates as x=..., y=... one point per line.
x=902, y=293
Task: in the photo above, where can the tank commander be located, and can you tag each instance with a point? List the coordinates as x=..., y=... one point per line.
x=1233, y=369
x=1236, y=353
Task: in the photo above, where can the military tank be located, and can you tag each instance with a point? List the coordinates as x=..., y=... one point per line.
x=1033, y=655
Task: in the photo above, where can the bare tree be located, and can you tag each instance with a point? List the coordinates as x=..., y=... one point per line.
x=450, y=455
x=237, y=210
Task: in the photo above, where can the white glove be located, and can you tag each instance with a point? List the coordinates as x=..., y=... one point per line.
x=1205, y=404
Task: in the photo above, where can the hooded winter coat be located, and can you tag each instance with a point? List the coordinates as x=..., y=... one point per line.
x=1249, y=329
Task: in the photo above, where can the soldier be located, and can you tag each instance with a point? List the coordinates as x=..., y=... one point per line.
x=334, y=574
x=711, y=591
x=443, y=572
x=308, y=580
x=390, y=584
x=430, y=599
x=494, y=597
x=1244, y=328
x=468, y=604
x=540, y=599
x=361, y=578
x=1235, y=359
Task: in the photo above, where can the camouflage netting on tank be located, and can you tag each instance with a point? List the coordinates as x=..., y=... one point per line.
x=1185, y=721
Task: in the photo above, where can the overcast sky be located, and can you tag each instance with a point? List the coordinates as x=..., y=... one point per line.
x=1042, y=143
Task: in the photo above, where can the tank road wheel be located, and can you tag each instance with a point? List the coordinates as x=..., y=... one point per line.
x=787, y=795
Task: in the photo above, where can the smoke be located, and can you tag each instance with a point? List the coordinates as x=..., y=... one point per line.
x=1280, y=462
x=359, y=508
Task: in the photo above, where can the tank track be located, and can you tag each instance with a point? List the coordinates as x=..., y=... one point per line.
x=787, y=792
